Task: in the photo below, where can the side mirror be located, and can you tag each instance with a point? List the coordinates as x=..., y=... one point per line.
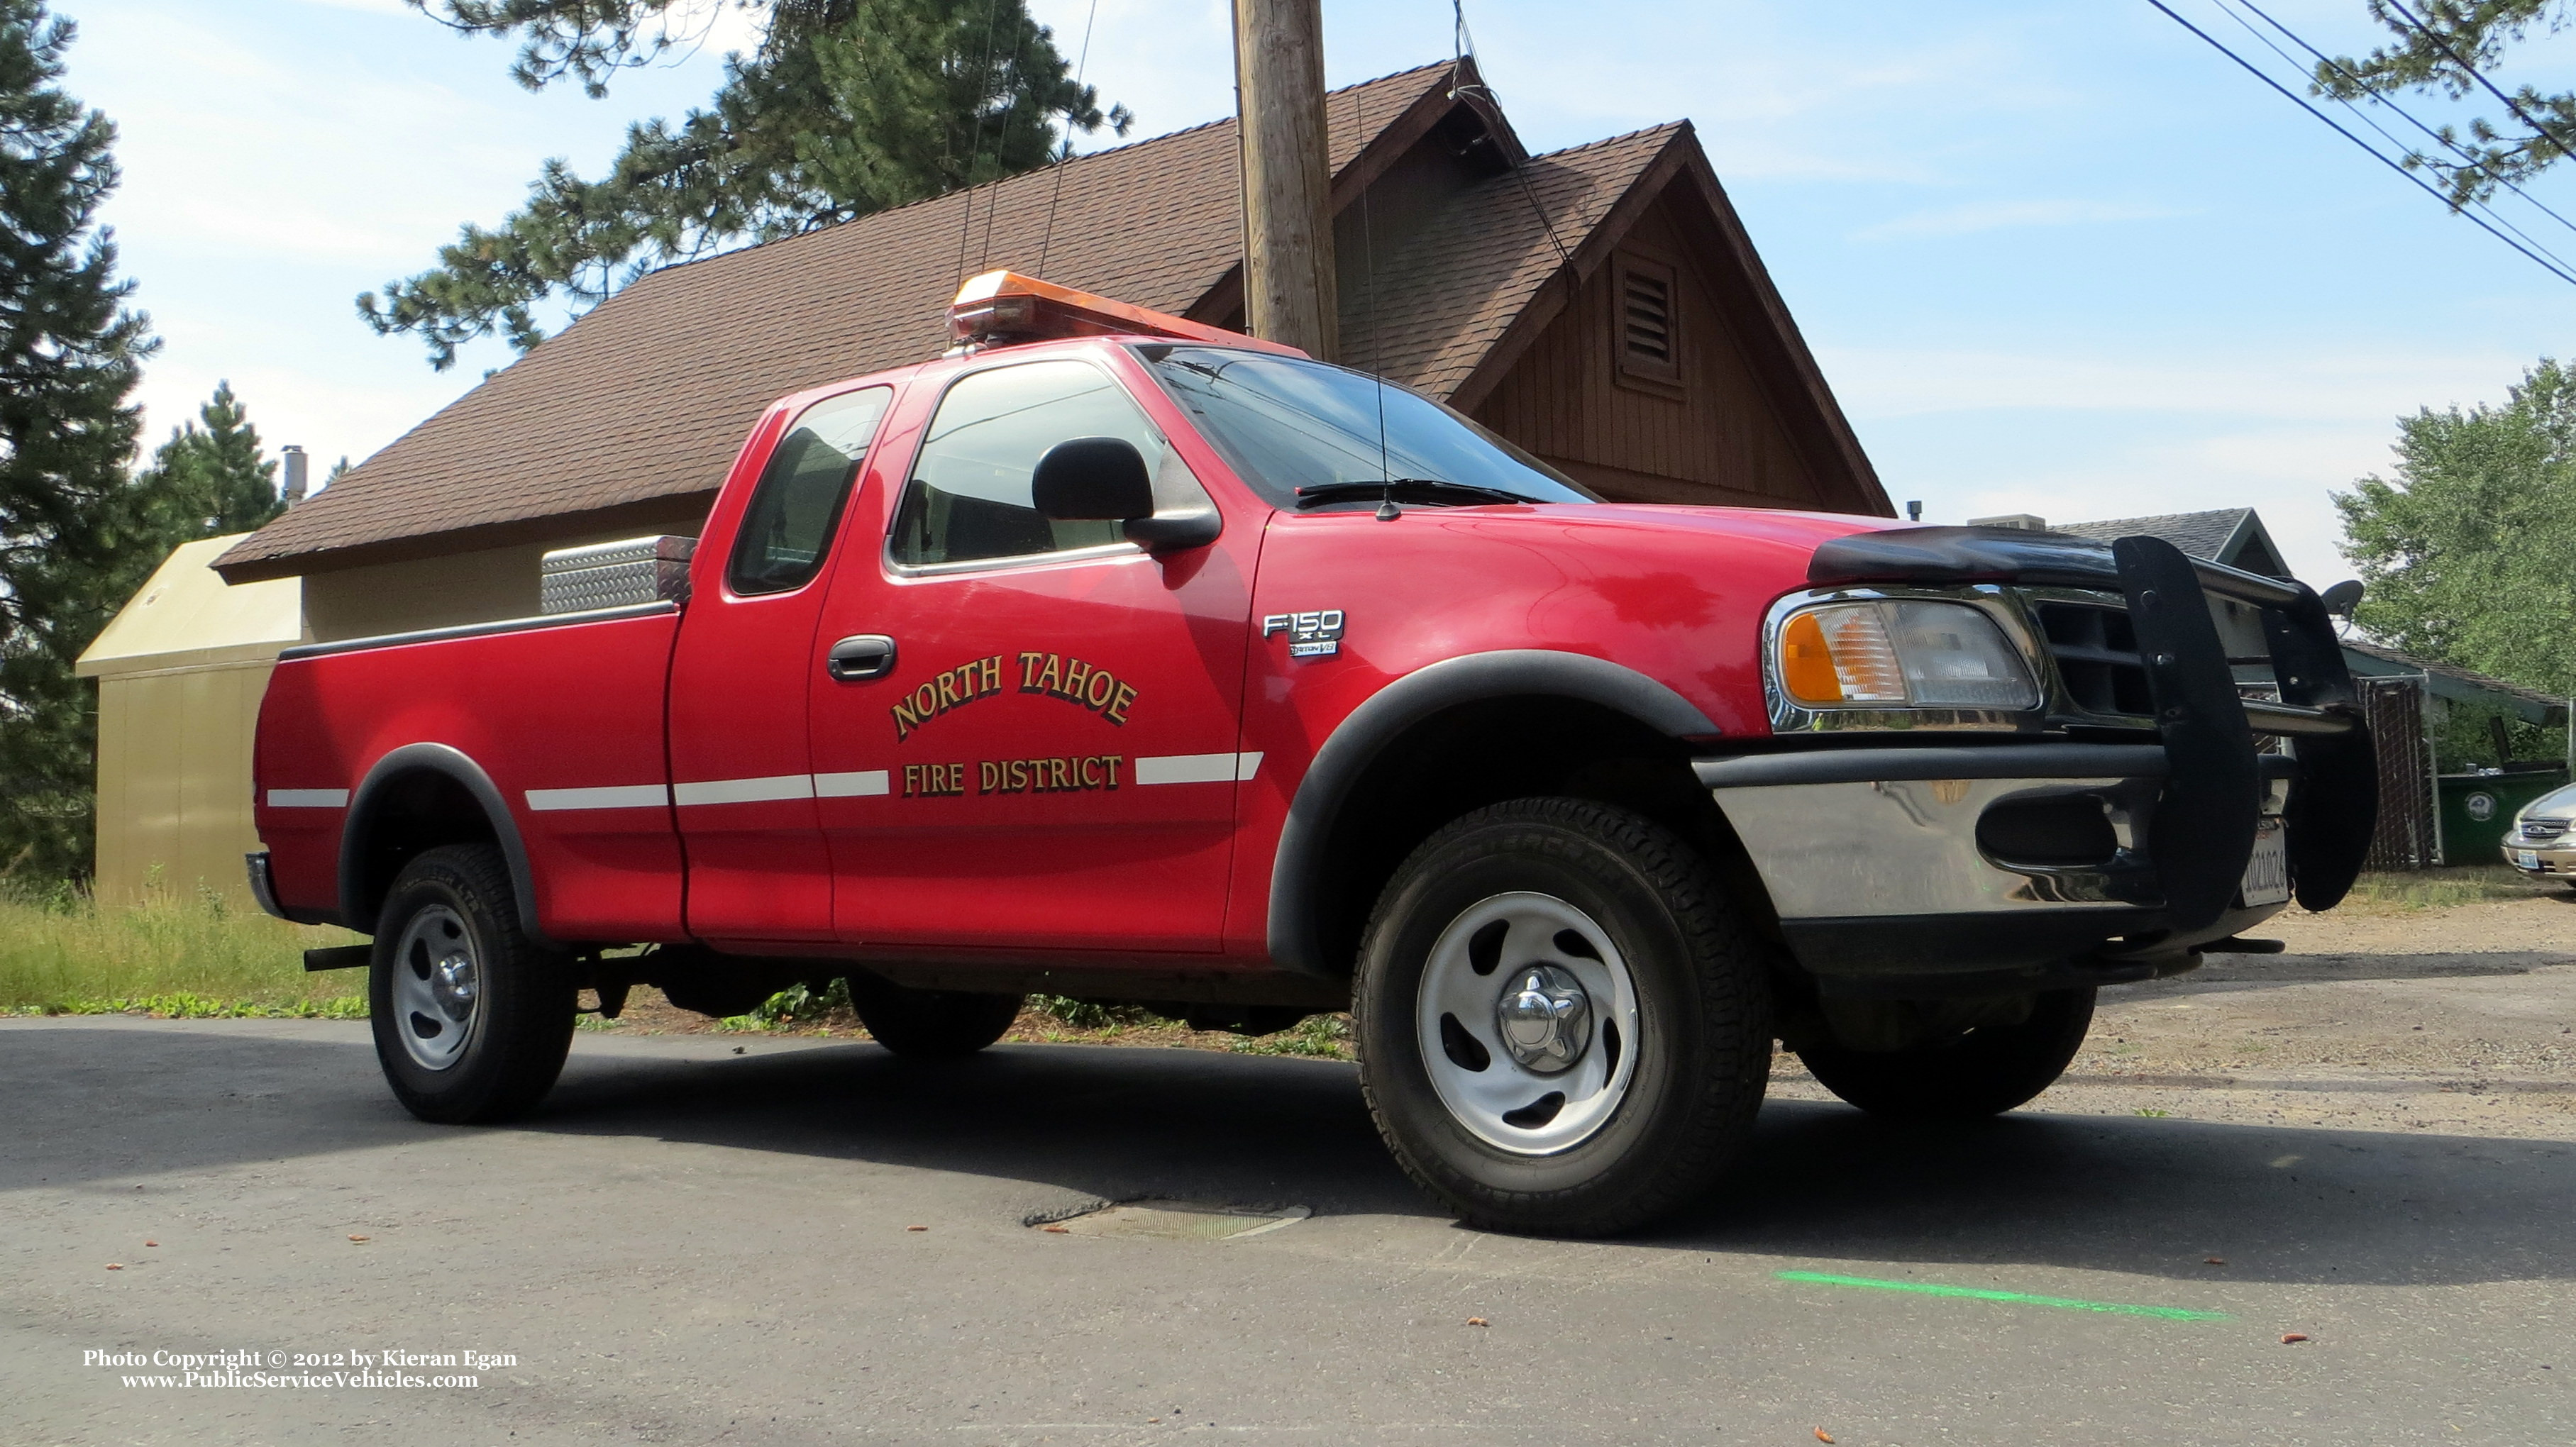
x=1095, y=479
x=1092, y=479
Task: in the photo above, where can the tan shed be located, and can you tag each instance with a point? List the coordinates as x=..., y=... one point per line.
x=180, y=672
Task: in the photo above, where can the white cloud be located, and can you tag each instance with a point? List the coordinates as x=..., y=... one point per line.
x=1976, y=216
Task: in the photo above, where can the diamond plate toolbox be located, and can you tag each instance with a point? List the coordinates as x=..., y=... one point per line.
x=615, y=575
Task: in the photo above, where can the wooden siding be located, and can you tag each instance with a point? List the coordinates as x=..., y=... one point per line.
x=1720, y=441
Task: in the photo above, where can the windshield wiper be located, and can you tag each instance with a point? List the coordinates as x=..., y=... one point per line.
x=1404, y=489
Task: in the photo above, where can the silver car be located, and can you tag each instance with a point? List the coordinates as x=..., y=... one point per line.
x=2542, y=842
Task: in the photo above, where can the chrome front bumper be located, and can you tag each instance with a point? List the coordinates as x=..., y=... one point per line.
x=1898, y=869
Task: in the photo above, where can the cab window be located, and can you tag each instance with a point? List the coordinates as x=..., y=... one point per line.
x=968, y=499
x=789, y=524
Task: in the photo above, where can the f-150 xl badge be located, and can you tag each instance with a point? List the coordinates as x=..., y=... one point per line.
x=1310, y=635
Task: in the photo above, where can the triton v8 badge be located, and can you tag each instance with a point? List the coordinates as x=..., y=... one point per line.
x=1310, y=635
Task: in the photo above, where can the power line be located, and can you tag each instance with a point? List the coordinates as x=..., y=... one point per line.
x=2455, y=148
x=2457, y=59
x=2412, y=179
x=1057, y=192
x=975, y=143
x=2364, y=117
x=1462, y=49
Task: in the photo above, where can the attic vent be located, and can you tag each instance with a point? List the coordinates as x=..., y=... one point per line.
x=1648, y=334
x=1649, y=305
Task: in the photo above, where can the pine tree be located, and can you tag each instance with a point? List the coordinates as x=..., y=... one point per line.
x=209, y=480
x=845, y=107
x=70, y=353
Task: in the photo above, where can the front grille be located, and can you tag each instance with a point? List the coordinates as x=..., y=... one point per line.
x=2541, y=831
x=2096, y=650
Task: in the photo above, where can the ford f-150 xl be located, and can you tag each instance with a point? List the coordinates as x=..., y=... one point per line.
x=1120, y=657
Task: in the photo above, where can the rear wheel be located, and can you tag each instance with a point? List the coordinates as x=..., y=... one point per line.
x=472, y=1019
x=1983, y=1071
x=1562, y=1028
x=931, y=1024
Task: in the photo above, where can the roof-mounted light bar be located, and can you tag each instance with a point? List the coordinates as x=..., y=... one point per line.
x=1003, y=306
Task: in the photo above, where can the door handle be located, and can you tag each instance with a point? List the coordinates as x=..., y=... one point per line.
x=860, y=657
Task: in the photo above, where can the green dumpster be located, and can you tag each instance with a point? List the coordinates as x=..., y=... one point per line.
x=2477, y=809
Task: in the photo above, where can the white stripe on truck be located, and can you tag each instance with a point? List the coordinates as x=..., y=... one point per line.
x=613, y=796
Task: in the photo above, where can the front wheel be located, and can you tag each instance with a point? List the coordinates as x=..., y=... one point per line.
x=1983, y=1071
x=472, y=1019
x=1563, y=1029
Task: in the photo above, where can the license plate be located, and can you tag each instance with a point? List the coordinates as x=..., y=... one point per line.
x=2267, y=874
x=2527, y=858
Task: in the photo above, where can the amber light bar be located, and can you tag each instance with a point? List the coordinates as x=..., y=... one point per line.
x=1004, y=306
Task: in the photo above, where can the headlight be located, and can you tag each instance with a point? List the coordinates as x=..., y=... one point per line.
x=1901, y=653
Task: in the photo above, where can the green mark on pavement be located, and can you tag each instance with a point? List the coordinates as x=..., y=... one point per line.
x=1928, y=1288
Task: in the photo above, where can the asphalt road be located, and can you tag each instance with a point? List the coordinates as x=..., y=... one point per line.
x=703, y=1240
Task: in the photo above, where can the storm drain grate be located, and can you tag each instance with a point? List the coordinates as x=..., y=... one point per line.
x=1175, y=1220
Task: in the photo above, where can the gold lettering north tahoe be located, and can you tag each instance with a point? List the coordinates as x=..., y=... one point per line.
x=952, y=689
x=1082, y=684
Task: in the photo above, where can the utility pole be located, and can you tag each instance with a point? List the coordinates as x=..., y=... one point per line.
x=1288, y=291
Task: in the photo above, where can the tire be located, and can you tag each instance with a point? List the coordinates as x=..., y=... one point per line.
x=1985, y=1071
x=1616, y=914
x=472, y=1019
x=932, y=1024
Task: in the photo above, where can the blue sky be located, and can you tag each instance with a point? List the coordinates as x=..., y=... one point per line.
x=2059, y=259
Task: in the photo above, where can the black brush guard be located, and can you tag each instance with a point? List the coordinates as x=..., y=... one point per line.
x=2203, y=832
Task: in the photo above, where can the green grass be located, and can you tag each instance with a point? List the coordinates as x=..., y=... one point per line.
x=2445, y=888
x=187, y=957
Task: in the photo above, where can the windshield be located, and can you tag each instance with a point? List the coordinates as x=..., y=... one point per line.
x=1285, y=424
x=2556, y=803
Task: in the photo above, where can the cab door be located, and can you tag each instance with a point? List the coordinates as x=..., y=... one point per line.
x=1036, y=745
x=741, y=764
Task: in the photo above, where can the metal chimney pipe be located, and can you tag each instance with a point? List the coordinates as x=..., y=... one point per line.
x=295, y=473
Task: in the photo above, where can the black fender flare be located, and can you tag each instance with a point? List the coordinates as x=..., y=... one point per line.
x=454, y=764
x=1364, y=733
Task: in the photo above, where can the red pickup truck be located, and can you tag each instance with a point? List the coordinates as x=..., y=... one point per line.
x=1116, y=656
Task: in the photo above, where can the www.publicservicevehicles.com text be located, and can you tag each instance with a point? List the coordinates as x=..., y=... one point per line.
x=299, y=1371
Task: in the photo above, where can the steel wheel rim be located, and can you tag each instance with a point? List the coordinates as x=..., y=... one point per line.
x=1471, y=969
x=438, y=987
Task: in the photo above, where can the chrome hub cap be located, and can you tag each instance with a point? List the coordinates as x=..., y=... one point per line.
x=1544, y=1017
x=437, y=992
x=1527, y=1021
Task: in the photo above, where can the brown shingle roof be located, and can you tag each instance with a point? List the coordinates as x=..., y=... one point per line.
x=649, y=395
x=1460, y=282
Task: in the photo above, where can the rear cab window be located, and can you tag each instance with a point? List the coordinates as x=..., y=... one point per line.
x=788, y=525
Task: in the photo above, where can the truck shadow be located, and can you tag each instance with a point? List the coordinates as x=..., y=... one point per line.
x=1820, y=1182
x=2228, y=973
x=2156, y=1197
x=2150, y=1196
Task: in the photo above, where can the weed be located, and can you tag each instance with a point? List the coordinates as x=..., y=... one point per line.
x=1091, y=1014
x=2151, y=1113
x=2443, y=888
x=63, y=952
x=1323, y=1036
x=185, y=1006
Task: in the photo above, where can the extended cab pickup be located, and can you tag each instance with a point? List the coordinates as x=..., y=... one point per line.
x=1115, y=656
